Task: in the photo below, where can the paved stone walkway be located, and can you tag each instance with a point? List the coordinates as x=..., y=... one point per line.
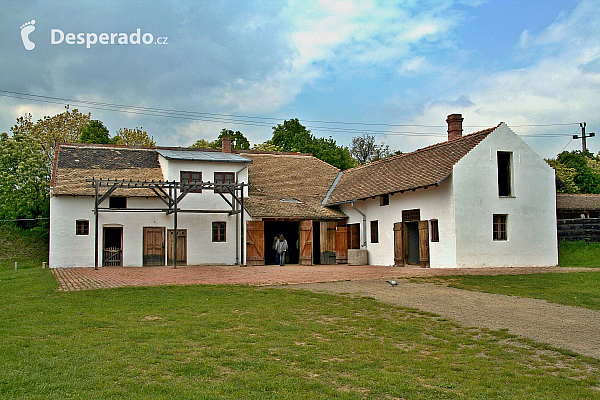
x=111, y=277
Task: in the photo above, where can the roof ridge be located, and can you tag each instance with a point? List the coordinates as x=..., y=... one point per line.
x=435, y=145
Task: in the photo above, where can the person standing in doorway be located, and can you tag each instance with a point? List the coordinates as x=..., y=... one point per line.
x=281, y=247
x=275, y=240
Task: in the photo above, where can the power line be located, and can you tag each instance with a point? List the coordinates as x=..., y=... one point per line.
x=250, y=120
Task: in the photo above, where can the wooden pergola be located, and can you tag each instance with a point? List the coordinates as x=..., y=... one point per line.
x=171, y=193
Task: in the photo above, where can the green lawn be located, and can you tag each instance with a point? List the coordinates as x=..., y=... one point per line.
x=213, y=342
x=578, y=254
x=580, y=289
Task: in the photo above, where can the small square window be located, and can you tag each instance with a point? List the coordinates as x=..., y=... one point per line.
x=374, y=231
x=500, y=229
x=384, y=200
x=224, y=177
x=192, y=177
x=218, y=231
x=82, y=227
x=117, y=202
x=435, y=233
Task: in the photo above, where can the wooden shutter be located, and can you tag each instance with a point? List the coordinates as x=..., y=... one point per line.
x=398, y=244
x=341, y=244
x=354, y=236
x=255, y=243
x=424, y=243
x=306, y=241
x=181, y=246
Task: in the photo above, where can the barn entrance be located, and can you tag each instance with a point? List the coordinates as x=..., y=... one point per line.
x=291, y=231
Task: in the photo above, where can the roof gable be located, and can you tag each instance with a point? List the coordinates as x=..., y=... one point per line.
x=421, y=168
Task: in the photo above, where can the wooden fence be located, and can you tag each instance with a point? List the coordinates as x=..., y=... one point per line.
x=587, y=229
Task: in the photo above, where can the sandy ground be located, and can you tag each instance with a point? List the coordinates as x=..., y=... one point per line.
x=572, y=328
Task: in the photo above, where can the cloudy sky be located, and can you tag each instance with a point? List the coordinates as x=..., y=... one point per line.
x=394, y=68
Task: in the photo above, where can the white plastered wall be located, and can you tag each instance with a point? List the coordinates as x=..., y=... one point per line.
x=434, y=203
x=531, y=210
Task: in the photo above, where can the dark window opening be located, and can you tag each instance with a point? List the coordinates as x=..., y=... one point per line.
x=500, y=232
x=223, y=177
x=435, y=233
x=218, y=231
x=384, y=200
x=504, y=174
x=117, y=202
x=82, y=227
x=192, y=177
x=374, y=231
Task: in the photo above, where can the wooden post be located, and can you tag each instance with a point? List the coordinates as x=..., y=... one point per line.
x=243, y=226
x=96, y=225
x=175, y=228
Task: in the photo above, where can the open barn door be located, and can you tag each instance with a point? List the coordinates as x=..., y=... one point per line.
x=255, y=243
x=306, y=242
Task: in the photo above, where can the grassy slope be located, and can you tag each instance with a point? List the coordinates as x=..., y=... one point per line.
x=216, y=342
x=28, y=249
x=578, y=254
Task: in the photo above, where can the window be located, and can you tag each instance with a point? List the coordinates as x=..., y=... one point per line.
x=435, y=232
x=374, y=231
x=500, y=227
x=191, y=177
x=218, y=231
x=82, y=227
x=384, y=200
x=504, y=174
x=224, y=177
x=117, y=202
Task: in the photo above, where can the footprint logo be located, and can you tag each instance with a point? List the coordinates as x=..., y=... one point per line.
x=26, y=29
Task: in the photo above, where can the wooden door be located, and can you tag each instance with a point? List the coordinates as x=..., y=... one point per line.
x=306, y=242
x=154, y=246
x=354, y=236
x=424, y=243
x=398, y=244
x=112, y=254
x=341, y=244
x=181, y=246
x=255, y=243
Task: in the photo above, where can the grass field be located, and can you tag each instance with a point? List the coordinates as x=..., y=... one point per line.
x=579, y=254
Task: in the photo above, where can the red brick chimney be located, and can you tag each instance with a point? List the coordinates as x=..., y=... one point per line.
x=454, y=126
x=226, y=144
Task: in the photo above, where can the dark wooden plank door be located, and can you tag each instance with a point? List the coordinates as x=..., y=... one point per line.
x=255, y=243
x=354, y=236
x=181, y=246
x=306, y=242
x=424, y=243
x=154, y=246
x=341, y=244
x=398, y=244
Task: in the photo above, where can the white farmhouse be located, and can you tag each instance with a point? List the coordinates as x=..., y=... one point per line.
x=484, y=199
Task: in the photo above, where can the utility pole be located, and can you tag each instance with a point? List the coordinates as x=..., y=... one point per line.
x=583, y=136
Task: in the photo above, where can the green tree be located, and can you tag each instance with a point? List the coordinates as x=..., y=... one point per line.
x=95, y=132
x=48, y=132
x=238, y=140
x=586, y=178
x=364, y=149
x=328, y=151
x=204, y=144
x=24, y=180
x=133, y=137
x=266, y=146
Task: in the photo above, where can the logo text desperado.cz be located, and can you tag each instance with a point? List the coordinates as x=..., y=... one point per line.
x=57, y=36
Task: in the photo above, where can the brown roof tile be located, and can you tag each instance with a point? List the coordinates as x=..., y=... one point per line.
x=421, y=168
x=569, y=201
x=292, y=177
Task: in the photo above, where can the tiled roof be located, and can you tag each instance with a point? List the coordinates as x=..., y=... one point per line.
x=421, y=168
x=195, y=155
x=76, y=163
x=290, y=177
x=566, y=201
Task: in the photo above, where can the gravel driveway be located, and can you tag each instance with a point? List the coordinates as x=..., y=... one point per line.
x=572, y=328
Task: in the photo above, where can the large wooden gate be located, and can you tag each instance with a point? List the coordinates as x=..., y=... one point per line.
x=154, y=246
x=306, y=242
x=341, y=244
x=255, y=243
x=181, y=246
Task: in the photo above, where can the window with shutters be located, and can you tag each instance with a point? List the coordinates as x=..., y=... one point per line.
x=374, y=231
x=191, y=177
x=223, y=177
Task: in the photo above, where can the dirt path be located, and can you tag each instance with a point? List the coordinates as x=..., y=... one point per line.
x=572, y=328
